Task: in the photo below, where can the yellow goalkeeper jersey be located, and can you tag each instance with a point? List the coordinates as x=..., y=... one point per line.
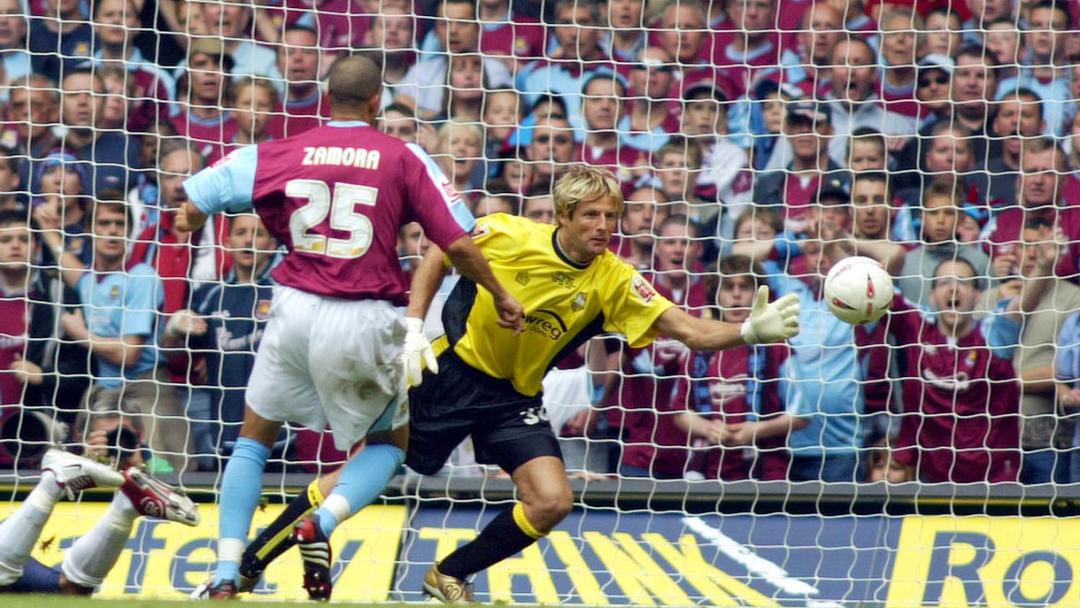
x=565, y=303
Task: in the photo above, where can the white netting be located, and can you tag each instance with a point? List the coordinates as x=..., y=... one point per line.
x=940, y=142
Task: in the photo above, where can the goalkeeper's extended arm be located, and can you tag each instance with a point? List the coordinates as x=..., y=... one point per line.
x=768, y=322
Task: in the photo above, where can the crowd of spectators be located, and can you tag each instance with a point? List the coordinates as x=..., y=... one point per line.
x=757, y=142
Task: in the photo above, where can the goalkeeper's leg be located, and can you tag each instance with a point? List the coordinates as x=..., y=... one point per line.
x=276, y=538
x=545, y=500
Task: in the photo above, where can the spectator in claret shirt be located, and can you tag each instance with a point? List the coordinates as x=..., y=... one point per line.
x=502, y=113
x=683, y=32
x=509, y=35
x=644, y=210
x=60, y=39
x=653, y=446
x=203, y=94
x=602, y=106
x=748, y=50
x=961, y=404
x=253, y=102
x=303, y=104
x=807, y=64
x=898, y=58
x=628, y=34
x=456, y=27
x=577, y=32
x=729, y=403
x=14, y=57
x=116, y=24
x=392, y=39
x=948, y=157
x=810, y=171
x=465, y=89
x=230, y=22
x=1046, y=65
x=652, y=112
x=552, y=149
x=1040, y=187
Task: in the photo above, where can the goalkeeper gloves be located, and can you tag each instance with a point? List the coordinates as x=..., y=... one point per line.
x=771, y=322
x=417, y=353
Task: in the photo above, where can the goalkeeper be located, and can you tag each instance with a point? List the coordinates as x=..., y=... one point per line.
x=489, y=382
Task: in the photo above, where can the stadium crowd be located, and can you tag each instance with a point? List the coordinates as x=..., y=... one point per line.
x=756, y=142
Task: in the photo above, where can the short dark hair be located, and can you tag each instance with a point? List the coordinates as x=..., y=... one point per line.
x=12, y=216
x=980, y=281
x=873, y=176
x=1056, y=5
x=737, y=266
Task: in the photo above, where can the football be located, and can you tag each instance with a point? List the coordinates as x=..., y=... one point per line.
x=858, y=290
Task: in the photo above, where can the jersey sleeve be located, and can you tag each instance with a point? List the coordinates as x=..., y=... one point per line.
x=432, y=200
x=142, y=296
x=227, y=185
x=1002, y=332
x=631, y=304
x=500, y=236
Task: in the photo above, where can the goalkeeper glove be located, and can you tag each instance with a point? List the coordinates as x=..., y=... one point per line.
x=771, y=322
x=416, y=353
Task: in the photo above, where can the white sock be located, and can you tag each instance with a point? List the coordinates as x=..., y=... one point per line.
x=19, y=532
x=89, y=560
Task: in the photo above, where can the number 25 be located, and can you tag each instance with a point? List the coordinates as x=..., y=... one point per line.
x=341, y=208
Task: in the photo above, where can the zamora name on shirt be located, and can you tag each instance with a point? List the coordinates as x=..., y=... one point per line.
x=361, y=158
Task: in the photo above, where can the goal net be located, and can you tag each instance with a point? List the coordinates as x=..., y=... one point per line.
x=927, y=457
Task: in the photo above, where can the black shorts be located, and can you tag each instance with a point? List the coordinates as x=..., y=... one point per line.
x=508, y=429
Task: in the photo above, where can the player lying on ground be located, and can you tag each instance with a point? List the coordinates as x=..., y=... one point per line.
x=336, y=196
x=89, y=560
x=489, y=382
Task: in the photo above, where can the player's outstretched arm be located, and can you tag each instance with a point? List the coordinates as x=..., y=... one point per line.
x=189, y=218
x=468, y=259
x=768, y=322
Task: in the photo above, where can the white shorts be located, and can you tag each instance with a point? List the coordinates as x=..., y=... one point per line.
x=329, y=361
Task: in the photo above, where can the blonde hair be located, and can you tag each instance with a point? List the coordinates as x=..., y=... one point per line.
x=583, y=183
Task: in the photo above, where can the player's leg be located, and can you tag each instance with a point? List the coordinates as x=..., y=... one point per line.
x=279, y=389
x=89, y=560
x=61, y=473
x=241, y=487
x=525, y=446
x=358, y=383
x=277, y=538
x=545, y=499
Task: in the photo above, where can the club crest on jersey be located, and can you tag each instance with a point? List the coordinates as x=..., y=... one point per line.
x=262, y=310
x=643, y=289
x=480, y=229
x=522, y=278
x=578, y=303
x=114, y=293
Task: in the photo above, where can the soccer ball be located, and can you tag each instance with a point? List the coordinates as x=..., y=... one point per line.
x=858, y=290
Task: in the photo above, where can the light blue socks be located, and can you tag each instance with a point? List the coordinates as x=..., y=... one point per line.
x=241, y=487
x=362, y=480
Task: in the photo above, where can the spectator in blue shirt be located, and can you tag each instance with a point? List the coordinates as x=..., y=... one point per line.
x=116, y=325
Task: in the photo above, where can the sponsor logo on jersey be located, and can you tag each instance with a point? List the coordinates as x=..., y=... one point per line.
x=643, y=289
x=546, y=323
